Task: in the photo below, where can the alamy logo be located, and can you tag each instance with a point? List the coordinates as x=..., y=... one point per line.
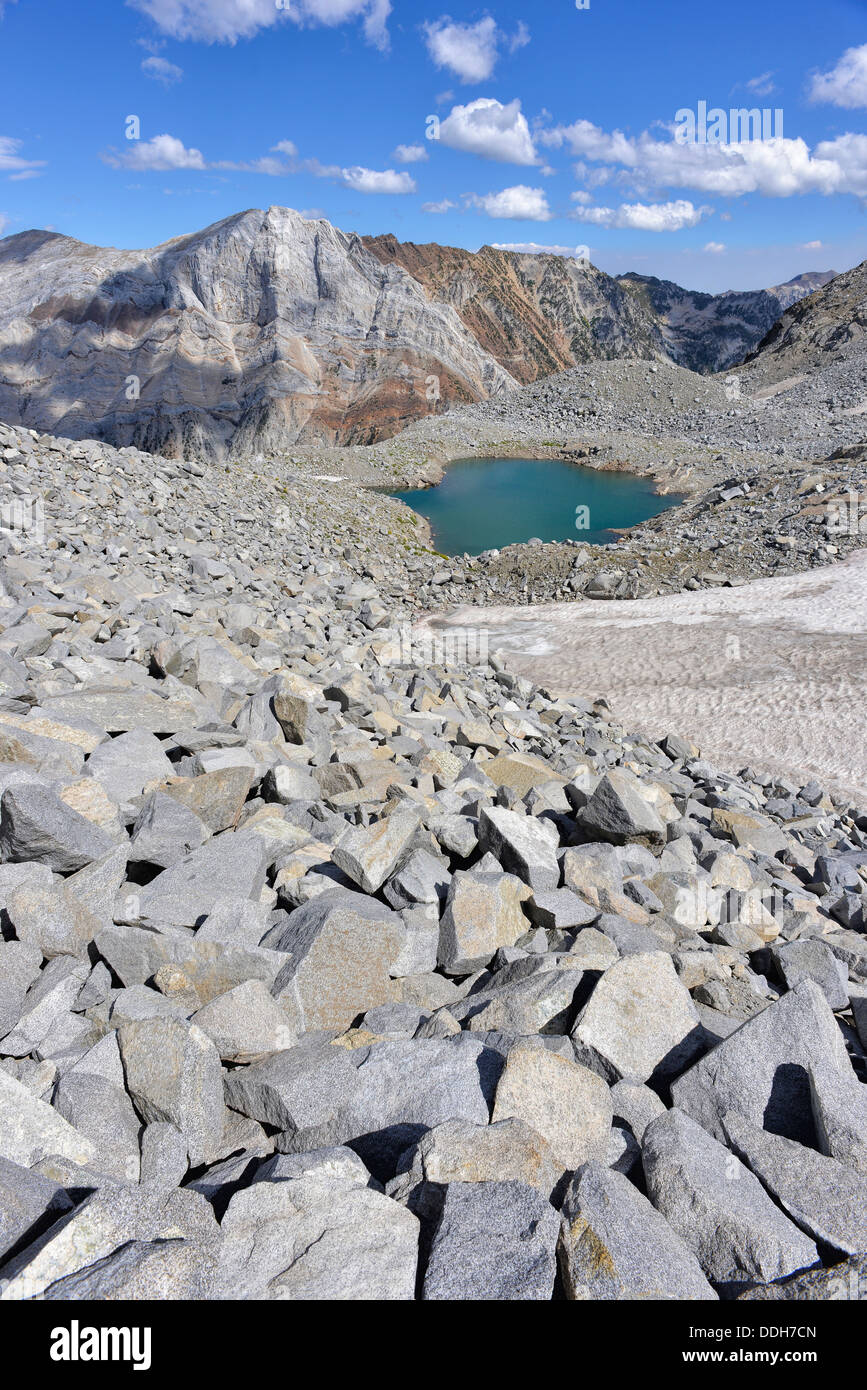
x=77, y=1343
x=719, y=127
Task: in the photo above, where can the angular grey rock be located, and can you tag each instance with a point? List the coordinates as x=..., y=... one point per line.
x=482, y=913
x=559, y=909
x=615, y=1246
x=826, y=1198
x=569, y=1105
x=231, y=865
x=524, y=845
x=126, y=764
x=103, y=1222
x=421, y=879
x=494, y=1241
x=811, y=959
x=31, y=1130
x=176, y=1271
x=173, y=1073
x=19, y=969
x=762, y=1069
x=839, y=1104
x=28, y=1203
x=370, y=854
x=45, y=1005
x=618, y=813
x=717, y=1206
x=541, y=1004
x=36, y=825
x=400, y=1089
x=165, y=832
x=245, y=1023
x=104, y=1114
x=639, y=1021
x=52, y=919
x=317, y=1237
x=635, y=1104
x=164, y=1156
x=299, y=1089
x=337, y=1162
x=458, y=1151
x=342, y=948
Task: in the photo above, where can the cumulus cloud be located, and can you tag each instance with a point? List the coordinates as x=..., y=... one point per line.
x=410, y=154
x=488, y=128
x=716, y=248
x=161, y=70
x=226, y=21
x=846, y=83
x=646, y=217
x=520, y=202
x=777, y=168
x=444, y=205
x=471, y=51
x=378, y=180
x=162, y=152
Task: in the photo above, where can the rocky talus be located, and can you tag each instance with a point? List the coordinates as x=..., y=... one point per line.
x=340, y=963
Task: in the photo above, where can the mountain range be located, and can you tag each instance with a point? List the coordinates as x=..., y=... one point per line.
x=268, y=329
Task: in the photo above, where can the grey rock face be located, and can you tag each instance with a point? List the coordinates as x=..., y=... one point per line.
x=618, y=813
x=639, y=1020
x=493, y=1241
x=762, y=1070
x=523, y=845
x=614, y=1245
x=717, y=1206
x=569, y=1105
x=28, y=1201
x=36, y=825
x=342, y=951
x=173, y=1073
x=826, y=1198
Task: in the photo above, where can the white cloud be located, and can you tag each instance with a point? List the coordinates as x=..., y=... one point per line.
x=645, y=217
x=161, y=70
x=410, y=154
x=846, y=83
x=286, y=147
x=378, y=180
x=762, y=85
x=445, y=205
x=812, y=246
x=162, y=152
x=488, y=128
x=471, y=50
x=521, y=202
x=226, y=21
x=12, y=162
x=532, y=248
x=777, y=168
x=25, y=174
x=716, y=248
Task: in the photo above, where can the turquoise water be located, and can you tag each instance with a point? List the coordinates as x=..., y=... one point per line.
x=484, y=504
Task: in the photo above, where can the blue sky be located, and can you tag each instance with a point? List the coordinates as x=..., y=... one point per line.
x=556, y=125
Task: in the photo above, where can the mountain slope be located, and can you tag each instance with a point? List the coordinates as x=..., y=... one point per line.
x=535, y=314
x=818, y=332
x=711, y=332
x=267, y=329
x=261, y=329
